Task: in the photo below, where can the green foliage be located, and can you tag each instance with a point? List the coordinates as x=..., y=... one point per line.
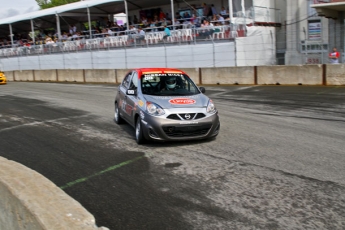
x=45, y=4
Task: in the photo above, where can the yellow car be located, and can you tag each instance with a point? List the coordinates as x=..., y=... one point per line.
x=2, y=78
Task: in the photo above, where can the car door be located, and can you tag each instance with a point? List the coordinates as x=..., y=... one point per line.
x=123, y=95
x=132, y=100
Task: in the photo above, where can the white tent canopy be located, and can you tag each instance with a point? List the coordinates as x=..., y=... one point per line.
x=75, y=12
x=72, y=7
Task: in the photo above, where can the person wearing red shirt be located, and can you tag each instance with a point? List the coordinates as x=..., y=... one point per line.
x=334, y=56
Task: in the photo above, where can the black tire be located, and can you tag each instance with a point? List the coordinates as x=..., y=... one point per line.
x=139, y=136
x=117, y=117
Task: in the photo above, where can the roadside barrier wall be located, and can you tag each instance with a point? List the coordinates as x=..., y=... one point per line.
x=30, y=201
x=335, y=74
x=100, y=75
x=70, y=75
x=45, y=75
x=228, y=75
x=290, y=75
x=246, y=75
x=25, y=75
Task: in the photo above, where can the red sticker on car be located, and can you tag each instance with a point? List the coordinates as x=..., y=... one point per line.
x=182, y=101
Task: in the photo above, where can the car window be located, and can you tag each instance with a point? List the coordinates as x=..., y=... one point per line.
x=126, y=80
x=168, y=84
x=134, y=81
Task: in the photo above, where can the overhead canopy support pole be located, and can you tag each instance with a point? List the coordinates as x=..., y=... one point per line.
x=32, y=32
x=127, y=18
x=11, y=34
x=231, y=13
x=58, y=27
x=243, y=8
x=172, y=14
x=89, y=19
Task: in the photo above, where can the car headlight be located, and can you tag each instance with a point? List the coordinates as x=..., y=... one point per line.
x=154, y=109
x=211, y=108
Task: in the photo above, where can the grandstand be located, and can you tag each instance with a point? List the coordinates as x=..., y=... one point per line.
x=84, y=30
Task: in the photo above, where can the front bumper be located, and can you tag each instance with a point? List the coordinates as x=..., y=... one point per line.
x=2, y=81
x=163, y=129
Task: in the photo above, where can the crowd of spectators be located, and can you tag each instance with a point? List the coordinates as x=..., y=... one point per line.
x=194, y=17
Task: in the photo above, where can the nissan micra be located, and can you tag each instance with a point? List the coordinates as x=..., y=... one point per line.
x=165, y=105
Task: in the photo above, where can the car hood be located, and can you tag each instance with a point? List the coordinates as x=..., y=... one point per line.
x=168, y=102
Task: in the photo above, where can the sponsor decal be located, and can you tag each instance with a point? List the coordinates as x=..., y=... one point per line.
x=150, y=76
x=141, y=103
x=182, y=101
x=142, y=115
x=172, y=97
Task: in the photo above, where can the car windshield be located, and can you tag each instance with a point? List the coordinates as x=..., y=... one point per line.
x=173, y=84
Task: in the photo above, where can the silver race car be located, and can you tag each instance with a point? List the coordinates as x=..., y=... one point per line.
x=165, y=105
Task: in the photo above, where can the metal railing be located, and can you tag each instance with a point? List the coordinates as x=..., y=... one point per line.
x=183, y=34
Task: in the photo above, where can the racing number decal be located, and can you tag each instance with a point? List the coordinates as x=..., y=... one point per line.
x=126, y=107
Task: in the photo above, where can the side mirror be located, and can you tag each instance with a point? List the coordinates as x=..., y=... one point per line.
x=131, y=92
x=202, y=89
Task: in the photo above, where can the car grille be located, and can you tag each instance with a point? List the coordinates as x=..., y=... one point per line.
x=182, y=116
x=186, y=131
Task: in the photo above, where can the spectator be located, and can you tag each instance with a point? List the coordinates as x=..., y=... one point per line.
x=205, y=9
x=161, y=15
x=220, y=19
x=223, y=12
x=141, y=34
x=153, y=26
x=334, y=56
x=213, y=9
x=167, y=16
x=167, y=32
x=49, y=41
x=177, y=24
x=110, y=32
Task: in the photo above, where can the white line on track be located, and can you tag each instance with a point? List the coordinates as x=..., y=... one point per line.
x=40, y=122
x=234, y=90
x=88, y=86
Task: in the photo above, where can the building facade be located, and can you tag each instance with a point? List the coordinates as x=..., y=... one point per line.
x=310, y=31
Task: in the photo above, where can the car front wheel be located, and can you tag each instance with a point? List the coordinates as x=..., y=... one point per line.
x=139, y=137
x=117, y=117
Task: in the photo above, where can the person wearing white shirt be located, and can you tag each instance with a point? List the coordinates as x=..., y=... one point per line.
x=220, y=19
x=141, y=35
x=223, y=11
x=110, y=32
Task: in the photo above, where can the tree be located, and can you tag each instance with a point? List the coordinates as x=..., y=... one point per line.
x=45, y=4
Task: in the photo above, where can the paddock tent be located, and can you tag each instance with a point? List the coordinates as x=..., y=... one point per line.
x=73, y=13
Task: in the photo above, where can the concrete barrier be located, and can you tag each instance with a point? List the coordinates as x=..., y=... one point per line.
x=193, y=73
x=9, y=75
x=23, y=75
x=120, y=74
x=247, y=75
x=69, y=75
x=100, y=75
x=45, y=75
x=335, y=74
x=228, y=75
x=290, y=75
x=30, y=201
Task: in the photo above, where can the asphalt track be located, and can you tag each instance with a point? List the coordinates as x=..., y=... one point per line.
x=278, y=162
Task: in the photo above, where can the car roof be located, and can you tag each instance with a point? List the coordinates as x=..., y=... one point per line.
x=158, y=70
